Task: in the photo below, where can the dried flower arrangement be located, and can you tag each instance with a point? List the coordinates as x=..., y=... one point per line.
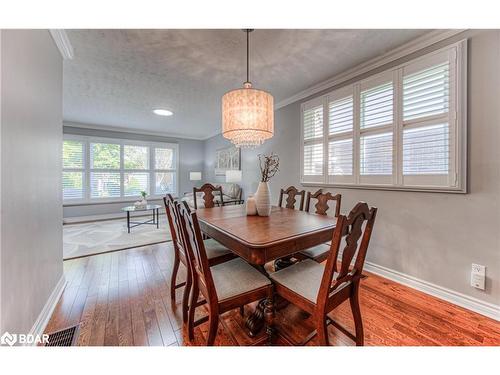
x=269, y=166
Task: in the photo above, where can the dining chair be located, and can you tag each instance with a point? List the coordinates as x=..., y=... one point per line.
x=291, y=192
x=208, y=191
x=224, y=286
x=320, y=288
x=319, y=253
x=322, y=204
x=216, y=254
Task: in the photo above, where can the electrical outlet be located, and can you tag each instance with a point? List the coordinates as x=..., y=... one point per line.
x=478, y=276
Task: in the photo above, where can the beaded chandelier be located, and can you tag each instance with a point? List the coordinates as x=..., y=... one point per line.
x=247, y=113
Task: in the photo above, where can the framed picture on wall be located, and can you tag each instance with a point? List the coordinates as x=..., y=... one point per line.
x=227, y=159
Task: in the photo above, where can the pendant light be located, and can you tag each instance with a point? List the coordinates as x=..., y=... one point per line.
x=247, y=113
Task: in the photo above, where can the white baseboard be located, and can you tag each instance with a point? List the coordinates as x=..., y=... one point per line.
x=484, y=308
x=44, y=317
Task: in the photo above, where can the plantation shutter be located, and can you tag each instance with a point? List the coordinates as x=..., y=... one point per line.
x=376, y=113
x=313, y=152
x=340, y=136
x=404, y=128
x=73, y=169
x=105, y=166
x=427, y=137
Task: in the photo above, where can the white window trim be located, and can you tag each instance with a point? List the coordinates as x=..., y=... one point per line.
x=457, y=115
x=122, y=142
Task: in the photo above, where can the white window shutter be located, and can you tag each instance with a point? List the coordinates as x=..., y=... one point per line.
x=73, y=182
x=403, y=128
x=427, y=143
x=313, y=123
x=340, y=136
x=377, y=106
x=340, y=157
x=376, y=154
x=426, y=93
x=312, y=136
x=340, y=116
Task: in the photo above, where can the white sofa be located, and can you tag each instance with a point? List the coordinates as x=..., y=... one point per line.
x=231, y=193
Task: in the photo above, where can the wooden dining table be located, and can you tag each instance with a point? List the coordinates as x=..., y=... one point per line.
x=262, y=239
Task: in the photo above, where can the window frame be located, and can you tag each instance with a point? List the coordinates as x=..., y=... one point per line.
x=456, y=116
x=151, y=171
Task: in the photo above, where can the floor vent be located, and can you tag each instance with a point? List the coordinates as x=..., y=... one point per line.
x=64, y=337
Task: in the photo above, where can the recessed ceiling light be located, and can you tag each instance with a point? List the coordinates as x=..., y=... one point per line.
x=162, y=112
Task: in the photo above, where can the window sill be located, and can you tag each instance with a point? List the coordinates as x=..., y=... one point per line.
x=389, y=188
x=108, y=201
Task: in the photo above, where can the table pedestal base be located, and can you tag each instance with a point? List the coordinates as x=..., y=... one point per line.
x=256, y=320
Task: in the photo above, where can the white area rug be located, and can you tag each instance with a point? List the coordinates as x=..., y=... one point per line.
x=111, y=235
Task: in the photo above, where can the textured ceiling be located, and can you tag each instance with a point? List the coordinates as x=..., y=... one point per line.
x=118, y=76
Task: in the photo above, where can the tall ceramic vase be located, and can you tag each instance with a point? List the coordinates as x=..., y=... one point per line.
x=263, y=199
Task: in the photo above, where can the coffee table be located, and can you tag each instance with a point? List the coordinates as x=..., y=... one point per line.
x=154, y=208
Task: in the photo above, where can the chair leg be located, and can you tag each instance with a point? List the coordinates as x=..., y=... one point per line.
x=185, y=297
x=195, y=292
x=322, y=331
x=242, y=310
x=213, y=323
x=173, y=279
x=356, y=314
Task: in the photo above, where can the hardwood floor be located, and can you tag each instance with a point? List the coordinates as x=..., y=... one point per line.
x=122, y=298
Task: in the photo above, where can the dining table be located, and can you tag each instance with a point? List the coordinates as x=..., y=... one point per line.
x=263, y=239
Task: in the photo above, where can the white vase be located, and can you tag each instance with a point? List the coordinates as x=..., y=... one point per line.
x=251, y=206
x=263, y=199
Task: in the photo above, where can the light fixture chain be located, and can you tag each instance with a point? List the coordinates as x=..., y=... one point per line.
x=248, y=53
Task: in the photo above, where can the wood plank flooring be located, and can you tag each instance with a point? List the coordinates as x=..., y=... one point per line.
x=122, y=298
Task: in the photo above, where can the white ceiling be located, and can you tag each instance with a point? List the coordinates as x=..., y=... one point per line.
x=117, y=77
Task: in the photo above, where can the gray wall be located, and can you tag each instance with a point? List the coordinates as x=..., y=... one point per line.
x=432, y=236
x=31, y=206
x=190, y=159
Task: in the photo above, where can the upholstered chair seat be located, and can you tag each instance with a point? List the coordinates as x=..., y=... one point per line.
x=236, y=277
x=304, y=278
x=318, y=253
x=215, y=249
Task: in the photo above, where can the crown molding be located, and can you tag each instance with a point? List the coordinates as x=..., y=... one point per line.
x=397, y=53
x=108, y=128
x=62, y=42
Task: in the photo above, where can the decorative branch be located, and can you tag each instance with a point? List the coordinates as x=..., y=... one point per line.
x=269, y=166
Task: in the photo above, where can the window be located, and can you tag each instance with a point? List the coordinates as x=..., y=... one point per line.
x=165, y=176
x=340, y=137
x=313, y=142
x=113, y=169
x=403, y=128
x=73, y=170
x=105, y=170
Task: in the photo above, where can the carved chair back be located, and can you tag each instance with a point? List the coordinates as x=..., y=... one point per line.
x=174, y=223
x=321, y=205
x=291, y=192
x=209, y=192
x=349, y=230
x=196, y=253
